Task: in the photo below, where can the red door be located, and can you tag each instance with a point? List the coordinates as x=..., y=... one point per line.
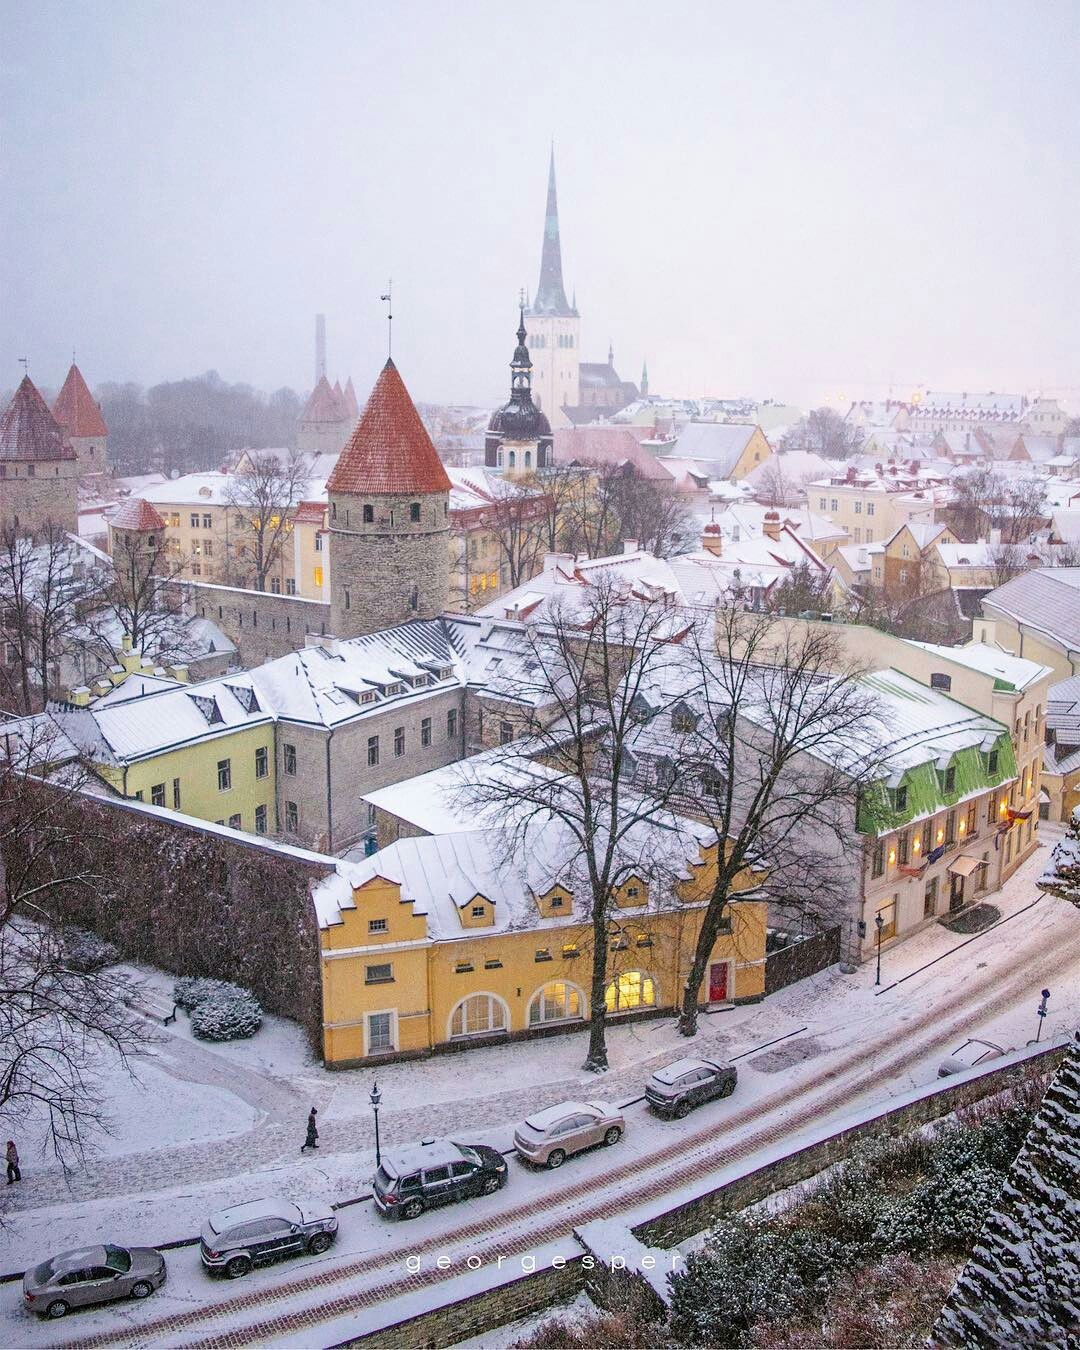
x=718, y=982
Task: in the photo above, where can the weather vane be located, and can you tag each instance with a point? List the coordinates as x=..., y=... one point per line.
x=389, y=316
x=24, y=361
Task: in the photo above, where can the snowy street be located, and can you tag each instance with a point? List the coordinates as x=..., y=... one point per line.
x=851, y=1046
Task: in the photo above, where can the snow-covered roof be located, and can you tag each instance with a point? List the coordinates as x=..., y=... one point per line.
x=989, y=659
x=213, y=488
x=1046, y=599
x=438, y=802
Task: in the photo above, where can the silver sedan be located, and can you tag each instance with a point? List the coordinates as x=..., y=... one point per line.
x=92, y=1275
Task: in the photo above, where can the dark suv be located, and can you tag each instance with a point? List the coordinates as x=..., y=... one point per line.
x=677, y=1089
x=436, y=1172
x=234, y=1240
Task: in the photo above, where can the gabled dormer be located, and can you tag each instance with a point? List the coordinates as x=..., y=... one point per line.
x=556, y=903
x=634, y=891
x=477, y=912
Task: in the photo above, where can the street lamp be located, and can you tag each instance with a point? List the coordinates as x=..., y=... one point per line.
x=879, y=924
x=1042, y=1013
x=376, y=1098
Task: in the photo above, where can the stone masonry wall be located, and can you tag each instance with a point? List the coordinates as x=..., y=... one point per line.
x=264, y=626
x=28, y=504
x=375, y=568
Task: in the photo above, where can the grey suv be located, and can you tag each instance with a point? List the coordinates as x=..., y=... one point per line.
x=678, y=1088
x=234, y=1240
x=436, y=1172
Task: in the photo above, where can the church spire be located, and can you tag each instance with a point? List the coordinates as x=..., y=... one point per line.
x=551, y=294
x=644, y=379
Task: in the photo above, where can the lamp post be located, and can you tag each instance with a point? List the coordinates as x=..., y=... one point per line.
x=879, y=924
x=376, y=1098
x=1042, y=1014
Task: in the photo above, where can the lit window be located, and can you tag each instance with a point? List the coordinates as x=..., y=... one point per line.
x=478, y=1015
x=556, y=1002
x=317, y=575
x=632, y=989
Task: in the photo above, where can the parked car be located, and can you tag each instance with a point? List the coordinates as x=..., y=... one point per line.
x=92, y=1275
x=966, y=1056
x=549, y=1137
x=436, y=1172
x=234, y=1240
x=678, y=1088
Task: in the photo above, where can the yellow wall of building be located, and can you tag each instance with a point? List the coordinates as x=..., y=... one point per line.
x=431, y=978
x=196, y=766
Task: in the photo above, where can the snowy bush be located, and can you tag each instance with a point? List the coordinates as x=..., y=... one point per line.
x=85, y=951
x=219, y=1011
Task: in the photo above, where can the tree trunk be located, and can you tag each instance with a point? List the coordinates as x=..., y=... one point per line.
x=710, y=927
x=596, y=1061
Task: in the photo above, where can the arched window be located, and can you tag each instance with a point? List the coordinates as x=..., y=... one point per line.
x=478, y=1015
x=556, y=1002
x=631, y=989
x=528, y=459
x=513, y=458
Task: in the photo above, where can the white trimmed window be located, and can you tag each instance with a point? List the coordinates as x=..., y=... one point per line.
x=632, y=989
x=556, y=1002
x=380, y=1033
x=478, y=1015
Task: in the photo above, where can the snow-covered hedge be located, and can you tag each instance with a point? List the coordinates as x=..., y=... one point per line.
x=219, y=1011
x=85, y=951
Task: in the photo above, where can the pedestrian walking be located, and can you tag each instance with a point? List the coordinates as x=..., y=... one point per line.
x=312, y=1140
x=12, y=1155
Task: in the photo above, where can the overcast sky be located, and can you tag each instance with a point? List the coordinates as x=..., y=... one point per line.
x=786, y=200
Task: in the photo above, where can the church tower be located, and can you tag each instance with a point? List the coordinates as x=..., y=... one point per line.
x=389, y=500
x=554, y=325
x=518, y=437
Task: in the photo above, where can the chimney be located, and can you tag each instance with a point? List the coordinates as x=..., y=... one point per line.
x=771, y=524
x=180, y=673
x=630, y=546
x=712, y=540
x=320, y=347
x=80, y=696
x=553, y=560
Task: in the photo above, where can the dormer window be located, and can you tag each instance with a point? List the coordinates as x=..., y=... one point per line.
x=992, y=761
x=900, y=798
x=950, y=779
x=938, y=680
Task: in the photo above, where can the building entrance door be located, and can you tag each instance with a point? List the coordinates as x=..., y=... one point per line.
x=956, y=892
x=718, y=990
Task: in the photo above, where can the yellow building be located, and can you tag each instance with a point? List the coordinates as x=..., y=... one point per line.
x=438, y=940
x=206, y=749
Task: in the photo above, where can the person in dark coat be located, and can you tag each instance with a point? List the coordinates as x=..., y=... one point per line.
x=12, y=1155
x=312, y=1140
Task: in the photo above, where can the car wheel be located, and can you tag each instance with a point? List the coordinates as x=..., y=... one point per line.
x=556, y=1157
x=613, y=1135
x=490, y=1184
x=57, y=1308
x=141, y=1289
x=412, y=1209
x=237, y=1266
x=682, y=1110
x=319, y=1243
x=729, y=1088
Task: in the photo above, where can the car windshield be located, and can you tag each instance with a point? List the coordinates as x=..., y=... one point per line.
x=469, y=1154
x=384, y=1179
x=116, y=1258
x=43, y=1273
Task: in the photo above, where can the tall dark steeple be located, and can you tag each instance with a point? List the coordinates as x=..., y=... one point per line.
x=551, y=294
x=518, y=428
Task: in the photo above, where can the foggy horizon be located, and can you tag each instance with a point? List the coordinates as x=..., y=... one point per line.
x=786, y=204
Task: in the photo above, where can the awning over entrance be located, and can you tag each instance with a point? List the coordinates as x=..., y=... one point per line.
x=965, y=865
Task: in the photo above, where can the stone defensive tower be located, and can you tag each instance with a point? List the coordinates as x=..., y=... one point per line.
x=79, y=414
x=389, y=499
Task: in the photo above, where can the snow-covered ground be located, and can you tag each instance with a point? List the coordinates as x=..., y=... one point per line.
x=867, y=1046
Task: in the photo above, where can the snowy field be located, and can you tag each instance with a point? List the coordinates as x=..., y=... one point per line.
x=211, y=1125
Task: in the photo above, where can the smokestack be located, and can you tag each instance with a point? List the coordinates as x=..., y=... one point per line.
x=320, y=347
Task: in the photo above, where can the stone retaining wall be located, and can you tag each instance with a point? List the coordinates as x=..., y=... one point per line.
x=801, y=960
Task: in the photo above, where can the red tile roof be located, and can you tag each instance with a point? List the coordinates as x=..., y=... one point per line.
x=350, y=399
x=390, y=450
x=609, y=445
x=75, y=408
x=310, y=513
x=136, y=514
x=324, y=405
x=28, y=430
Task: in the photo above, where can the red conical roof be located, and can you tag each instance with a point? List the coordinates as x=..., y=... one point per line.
x=75, y=408
x=28, y=430
x=323, y=405
x=390, y=450
x=350, y=399
x=136, y=514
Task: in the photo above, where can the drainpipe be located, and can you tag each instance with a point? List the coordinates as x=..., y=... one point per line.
x=329, y=797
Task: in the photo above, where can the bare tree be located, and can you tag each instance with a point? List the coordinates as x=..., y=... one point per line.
x=1005, y=562
x=803, y=588
x=262, y=495
x=139, y=601
x=560, y=484
x=587, y=671
x=824, y=432
x=57, y=1020
x=46, y=590
x=517, y=518
x=974, y=494
x=782, y=740
x=1020, y=508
